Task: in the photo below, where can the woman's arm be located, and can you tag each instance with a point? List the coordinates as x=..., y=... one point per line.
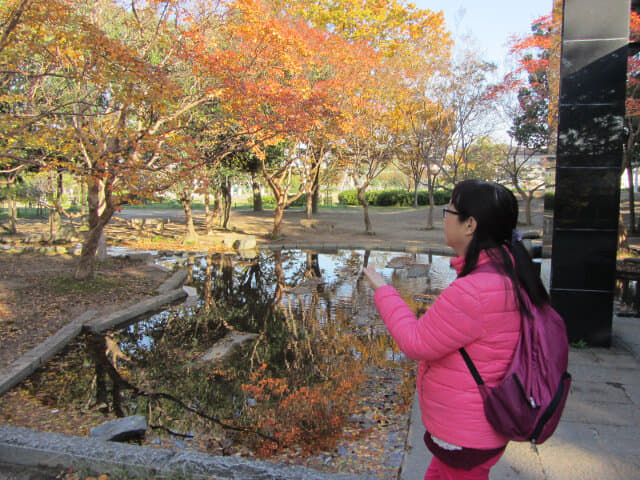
x=450, y=323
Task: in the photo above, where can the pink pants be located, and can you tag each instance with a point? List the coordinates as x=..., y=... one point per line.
x=439, y=471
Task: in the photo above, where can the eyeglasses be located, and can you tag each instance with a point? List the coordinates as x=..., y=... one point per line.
x=445, y=211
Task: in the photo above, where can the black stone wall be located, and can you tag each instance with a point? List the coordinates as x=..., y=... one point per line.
x=595, y=40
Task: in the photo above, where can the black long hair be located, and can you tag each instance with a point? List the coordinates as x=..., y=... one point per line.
x=495, y=210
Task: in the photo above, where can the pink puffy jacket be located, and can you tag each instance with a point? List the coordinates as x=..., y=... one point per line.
x=478, y=312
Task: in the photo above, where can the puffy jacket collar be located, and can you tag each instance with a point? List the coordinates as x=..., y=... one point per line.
x=458, y=262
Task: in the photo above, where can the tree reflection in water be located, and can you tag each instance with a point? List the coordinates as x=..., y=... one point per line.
x=316, y=329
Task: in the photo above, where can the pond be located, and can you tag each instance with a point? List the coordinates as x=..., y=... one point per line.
x=311, y=359
x=313, y=364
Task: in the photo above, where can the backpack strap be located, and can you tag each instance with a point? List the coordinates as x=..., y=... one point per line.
x=471, y=366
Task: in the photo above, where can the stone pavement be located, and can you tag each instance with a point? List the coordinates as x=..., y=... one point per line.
x=599, y=435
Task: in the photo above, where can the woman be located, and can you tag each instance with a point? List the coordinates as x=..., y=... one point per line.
x=480, y=311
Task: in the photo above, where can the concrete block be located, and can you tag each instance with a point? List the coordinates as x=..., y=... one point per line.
x=122, y=317
x=21, y=446
x=174, y=281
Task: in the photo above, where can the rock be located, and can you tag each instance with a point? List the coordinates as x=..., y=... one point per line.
x=36, y=238
x=156, y=224
x=66, y=234
x=400, y=262
x=418, y=270
x=225, y=345
x=246, y=243
x=120, y=429
x=137, y=223
x=228, y=241
x=313, y=224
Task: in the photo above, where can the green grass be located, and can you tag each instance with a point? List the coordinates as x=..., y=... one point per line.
x=66, y=284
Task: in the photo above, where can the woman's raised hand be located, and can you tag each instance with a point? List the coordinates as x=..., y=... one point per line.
x=374, y=278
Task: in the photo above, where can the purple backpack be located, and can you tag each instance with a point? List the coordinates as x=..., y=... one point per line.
x=528, y=403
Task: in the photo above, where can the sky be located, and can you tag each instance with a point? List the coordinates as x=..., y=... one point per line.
x=490, y=23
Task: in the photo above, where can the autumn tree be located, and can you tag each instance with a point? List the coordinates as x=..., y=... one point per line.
x=399, y=36
x=529, y=105
x=632, y=118
x=431, y=128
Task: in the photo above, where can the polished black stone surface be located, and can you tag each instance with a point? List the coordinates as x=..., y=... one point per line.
x=587, y=198
x=584, y=259
x=588, y=315
x=591, y=130
x=591, y=136
x=594, y=72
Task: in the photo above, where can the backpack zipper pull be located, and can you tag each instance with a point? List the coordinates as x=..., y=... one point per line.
x=532, y=402
x=534, y=447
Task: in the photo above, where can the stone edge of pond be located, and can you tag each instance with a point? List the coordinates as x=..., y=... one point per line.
x=434, y=250
x=29, y=448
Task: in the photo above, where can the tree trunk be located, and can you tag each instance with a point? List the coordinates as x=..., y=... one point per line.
x=432, y=201
x=416, y=182
x=226, y=202
x=277, y=220
x=83, y=197
x=309, y=204
x=55, y=185
x=365, y=209
x=101, y=252
x=191, y=236
x=527, y=208
x=12, y=213
x=57, y=204
x=99, y=215
x=216, y=210
x=623, y=243
x=632, y=202
x=257, y=195
x=315, y=200
x=208, y=221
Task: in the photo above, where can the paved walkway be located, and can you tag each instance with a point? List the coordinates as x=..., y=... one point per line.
x=599, y=435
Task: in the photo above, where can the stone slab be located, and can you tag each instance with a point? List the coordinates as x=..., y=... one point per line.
x=599, y=373
x=21, y=446
x=226, y=345
x=174, y=282
x=579, y=410
x=120, y=318
x=597, y=392
x=31, y=360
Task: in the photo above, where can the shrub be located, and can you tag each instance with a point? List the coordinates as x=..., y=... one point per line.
x=393, y=198
x=440, y=197
x=350, y=197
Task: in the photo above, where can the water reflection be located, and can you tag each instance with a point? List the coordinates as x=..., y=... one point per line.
x=315, y=332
